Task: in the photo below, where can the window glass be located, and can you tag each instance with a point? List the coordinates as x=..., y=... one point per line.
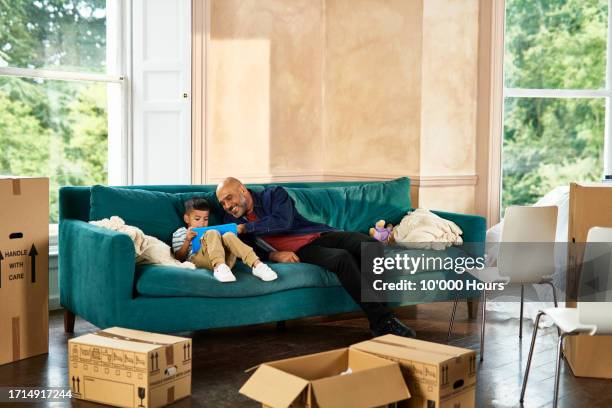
x=56, y=129
x=555, y=44
x=548, y=143
x=65, y=35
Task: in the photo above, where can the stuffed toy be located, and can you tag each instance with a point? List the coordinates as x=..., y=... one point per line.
x=382, y=233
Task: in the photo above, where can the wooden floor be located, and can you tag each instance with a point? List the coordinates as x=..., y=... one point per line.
x=221, y=356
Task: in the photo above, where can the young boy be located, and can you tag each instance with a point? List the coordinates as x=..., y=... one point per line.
x=218, y=252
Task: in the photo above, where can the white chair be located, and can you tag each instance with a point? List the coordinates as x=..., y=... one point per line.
x=518, y=260
x=593, y=315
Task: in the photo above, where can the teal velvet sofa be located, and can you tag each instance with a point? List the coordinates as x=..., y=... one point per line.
x=100, y=282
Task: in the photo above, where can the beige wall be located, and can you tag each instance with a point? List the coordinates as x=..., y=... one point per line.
x=345, y=89
x=449, y=101
x=372, y=86
x=264, y=88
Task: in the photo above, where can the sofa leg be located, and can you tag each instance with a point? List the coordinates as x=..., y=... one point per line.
x=69, y=318
x=472, y=307
x=281, y=325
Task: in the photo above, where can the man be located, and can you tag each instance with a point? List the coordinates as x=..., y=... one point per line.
x=281, y=234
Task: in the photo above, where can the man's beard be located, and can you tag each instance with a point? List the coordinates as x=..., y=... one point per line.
x=241, y=207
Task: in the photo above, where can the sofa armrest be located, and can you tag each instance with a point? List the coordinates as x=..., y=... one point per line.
x=96, y=269
x=474, y=229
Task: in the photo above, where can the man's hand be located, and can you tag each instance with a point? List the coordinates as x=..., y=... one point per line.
x=241, y=229
x=191, y=234
x=284, y=257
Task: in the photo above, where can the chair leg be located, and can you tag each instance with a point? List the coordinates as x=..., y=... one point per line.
x=521, y=316
x=452, y=320
x=482, y=324
x=558, y=368
x=533, y=339
x=554, y=292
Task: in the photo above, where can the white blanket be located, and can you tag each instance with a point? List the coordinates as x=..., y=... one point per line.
x=422, y=229
x=149, y=250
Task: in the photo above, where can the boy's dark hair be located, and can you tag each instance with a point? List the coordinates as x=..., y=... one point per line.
x=200, y=204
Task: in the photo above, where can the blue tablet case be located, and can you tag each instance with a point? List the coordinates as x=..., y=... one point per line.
x=223, y=228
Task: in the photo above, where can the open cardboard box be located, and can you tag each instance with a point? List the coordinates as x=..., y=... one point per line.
x=315, y=381
x=438, y=375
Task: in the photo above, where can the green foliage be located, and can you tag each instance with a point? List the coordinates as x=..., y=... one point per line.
x=549, y=142
x=53, y=128
x=54, y=34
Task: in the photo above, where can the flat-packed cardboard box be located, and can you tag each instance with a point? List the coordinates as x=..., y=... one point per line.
x=590, y=206
x=24, y=268
x=315, y=380
x=437, y=375
x=129, y=368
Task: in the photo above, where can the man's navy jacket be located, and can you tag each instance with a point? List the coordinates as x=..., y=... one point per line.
x=276, y=215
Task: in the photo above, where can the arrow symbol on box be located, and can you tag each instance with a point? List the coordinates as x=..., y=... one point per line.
x=33, y=253
x=73, y=386
x=1, y=259
x=78, y=383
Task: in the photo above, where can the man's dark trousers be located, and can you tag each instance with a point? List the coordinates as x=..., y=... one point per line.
x=340, y=252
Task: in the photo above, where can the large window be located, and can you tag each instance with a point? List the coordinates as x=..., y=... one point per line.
x=61, y=91
x=556, y=89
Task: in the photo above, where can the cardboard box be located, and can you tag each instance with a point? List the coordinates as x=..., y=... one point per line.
x=24, y=268
x=315, y=380
x=437, y=375
x=129, y=368
x=590, y=206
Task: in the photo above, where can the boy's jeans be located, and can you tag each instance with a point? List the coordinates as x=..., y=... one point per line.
x=217, y=249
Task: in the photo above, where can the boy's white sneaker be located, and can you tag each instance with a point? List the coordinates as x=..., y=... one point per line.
x=264, y=272
x=223, y=273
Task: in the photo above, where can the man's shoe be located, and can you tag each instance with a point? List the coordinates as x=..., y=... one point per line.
x=392, y=325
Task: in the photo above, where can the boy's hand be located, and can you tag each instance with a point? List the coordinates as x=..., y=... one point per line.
x=241, y=229
x=284, y=257
x=191, y=234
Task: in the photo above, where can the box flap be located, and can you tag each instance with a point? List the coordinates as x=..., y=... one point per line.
x=411, y=349
x=452, y=351
x=93, y=339
x=314, y=366
x=138, y=335
x=367, y=388
x=273, y=387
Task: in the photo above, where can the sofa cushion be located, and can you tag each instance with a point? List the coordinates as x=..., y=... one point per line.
x=350, y=208
x=354, y=208
x=155, y=213
x=161, y=281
